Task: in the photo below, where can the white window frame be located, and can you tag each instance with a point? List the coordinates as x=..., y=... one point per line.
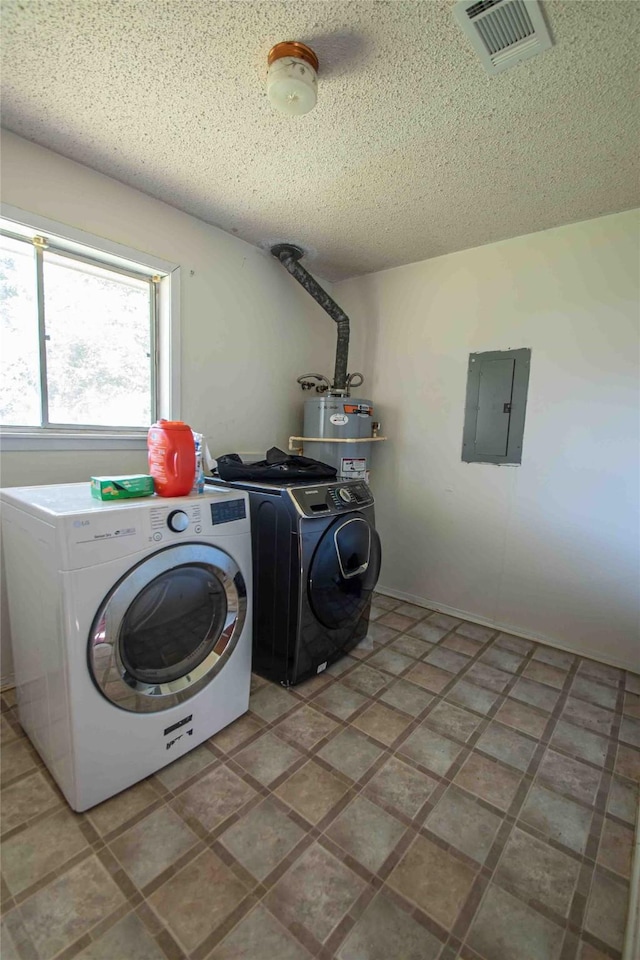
x=73, y=240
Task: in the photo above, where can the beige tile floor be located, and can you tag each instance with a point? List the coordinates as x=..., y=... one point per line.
x=448, y=792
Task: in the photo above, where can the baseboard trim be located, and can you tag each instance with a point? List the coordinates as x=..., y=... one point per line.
x=505, y=627
x=7, y=683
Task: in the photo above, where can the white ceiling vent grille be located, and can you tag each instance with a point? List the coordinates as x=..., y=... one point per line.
x=503, y=32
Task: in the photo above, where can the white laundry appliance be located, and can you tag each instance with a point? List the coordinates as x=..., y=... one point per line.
x=131, y=628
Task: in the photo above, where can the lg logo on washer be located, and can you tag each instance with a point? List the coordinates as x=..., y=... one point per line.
x=87, y=532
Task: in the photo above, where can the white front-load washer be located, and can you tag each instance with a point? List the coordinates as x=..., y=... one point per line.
x=131, y=628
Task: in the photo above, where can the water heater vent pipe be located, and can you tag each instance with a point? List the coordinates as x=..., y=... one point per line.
x=289, y=256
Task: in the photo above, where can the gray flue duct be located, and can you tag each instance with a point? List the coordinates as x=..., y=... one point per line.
x=289, y=256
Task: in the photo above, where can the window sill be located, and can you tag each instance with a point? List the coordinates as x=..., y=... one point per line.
x=18, y=442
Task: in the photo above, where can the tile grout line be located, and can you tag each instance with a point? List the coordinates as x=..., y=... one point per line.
x=500, y=845
x=599, y=817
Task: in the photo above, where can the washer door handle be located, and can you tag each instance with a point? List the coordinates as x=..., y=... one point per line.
x=346, y=573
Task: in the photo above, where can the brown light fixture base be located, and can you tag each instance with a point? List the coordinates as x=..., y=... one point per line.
x=293, y=48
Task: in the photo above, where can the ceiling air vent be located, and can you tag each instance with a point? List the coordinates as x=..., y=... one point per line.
x=503, y=32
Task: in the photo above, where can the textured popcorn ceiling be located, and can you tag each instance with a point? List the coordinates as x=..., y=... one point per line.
x=412, y=151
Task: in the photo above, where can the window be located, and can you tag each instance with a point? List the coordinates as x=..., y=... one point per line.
x=88, y=334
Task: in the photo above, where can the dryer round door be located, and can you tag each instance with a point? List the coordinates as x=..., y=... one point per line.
x=168, y=627
x=344, y=571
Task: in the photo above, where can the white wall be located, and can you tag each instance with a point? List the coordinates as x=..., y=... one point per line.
x=548, y=549
x=248, y=329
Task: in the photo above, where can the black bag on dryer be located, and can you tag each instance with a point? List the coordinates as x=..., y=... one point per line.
x=278, y=465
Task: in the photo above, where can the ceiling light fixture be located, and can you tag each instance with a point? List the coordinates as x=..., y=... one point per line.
x=292, y=77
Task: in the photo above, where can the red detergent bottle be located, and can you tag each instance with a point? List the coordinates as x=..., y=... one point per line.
x=172, y=457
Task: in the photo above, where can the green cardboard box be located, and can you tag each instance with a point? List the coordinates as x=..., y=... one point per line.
x=122, y=488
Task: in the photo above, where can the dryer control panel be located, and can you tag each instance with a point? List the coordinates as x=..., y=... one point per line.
x=324, y=499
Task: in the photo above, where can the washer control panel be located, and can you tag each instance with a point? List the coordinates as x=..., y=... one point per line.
x=326, y=499
x=166, y=521
x=197, y=516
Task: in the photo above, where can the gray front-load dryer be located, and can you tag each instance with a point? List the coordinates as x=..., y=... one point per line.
x=316, y=560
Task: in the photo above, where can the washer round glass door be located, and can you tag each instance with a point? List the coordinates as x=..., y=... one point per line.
x=343, y=572
x=168, y=627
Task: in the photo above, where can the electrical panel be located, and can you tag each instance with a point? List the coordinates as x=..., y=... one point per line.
x=495, y=407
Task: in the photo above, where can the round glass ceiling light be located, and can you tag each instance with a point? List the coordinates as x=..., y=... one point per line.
x=292, y=78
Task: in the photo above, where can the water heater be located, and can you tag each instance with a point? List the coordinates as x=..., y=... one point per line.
x=338, y=430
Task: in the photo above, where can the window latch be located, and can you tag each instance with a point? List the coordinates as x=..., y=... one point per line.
x=506, y=408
